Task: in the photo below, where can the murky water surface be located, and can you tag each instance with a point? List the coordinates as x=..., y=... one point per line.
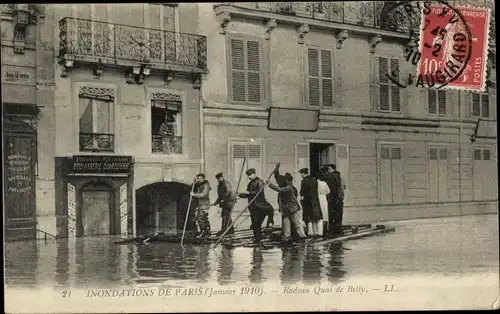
x=431, y=247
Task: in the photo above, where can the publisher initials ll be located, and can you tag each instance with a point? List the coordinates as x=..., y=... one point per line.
x=389, y=288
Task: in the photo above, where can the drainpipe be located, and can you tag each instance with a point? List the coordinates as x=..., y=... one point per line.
x=202, y=134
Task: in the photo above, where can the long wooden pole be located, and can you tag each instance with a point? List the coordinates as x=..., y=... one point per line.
x=187, y=214
x=249, y=203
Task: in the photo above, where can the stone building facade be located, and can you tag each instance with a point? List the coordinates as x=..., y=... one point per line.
x=403, y=153
x=28, y=120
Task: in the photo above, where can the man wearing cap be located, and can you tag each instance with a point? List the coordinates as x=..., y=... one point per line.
x=289, y=206
x=225, y=199
x=337, y=199
x=202, y=193
x=259, y=208
x=310, y=203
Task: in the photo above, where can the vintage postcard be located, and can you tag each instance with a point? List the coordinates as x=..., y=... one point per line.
x=249, y=156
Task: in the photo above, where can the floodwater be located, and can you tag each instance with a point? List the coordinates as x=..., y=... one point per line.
x=429, y=248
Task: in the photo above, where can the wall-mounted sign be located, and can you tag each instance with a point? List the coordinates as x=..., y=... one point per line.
x=100, y=164
x=71, y=211
x=289, y=119
x=123, y=211
x=18, y=75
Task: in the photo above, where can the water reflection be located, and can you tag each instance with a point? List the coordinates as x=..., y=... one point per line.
x=256, y=272
x=438, y=246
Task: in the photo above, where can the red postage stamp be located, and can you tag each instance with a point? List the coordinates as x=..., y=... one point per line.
x=454, y=47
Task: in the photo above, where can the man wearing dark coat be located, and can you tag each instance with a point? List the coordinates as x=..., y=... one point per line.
x=259, y=208
x=225, y=199
x=310, y=202
x=338, y=199
x=202, y=194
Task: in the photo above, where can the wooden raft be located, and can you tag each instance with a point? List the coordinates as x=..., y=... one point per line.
x=244, y=237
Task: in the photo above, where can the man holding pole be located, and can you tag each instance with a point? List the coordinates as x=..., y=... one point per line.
x=202, y=193
x=225, y=199
x=259, y=208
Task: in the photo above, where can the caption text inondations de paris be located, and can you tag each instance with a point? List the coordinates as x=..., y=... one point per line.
x=213, y=292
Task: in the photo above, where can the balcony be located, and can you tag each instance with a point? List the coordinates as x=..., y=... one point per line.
x=96, y=142
x=121, y=45
x=167, y=144
x=374, y=17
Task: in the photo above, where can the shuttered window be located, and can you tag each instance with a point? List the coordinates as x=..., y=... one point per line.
x=484, y=175
x=320, y=77
x=391, y=170
x=389, y=93
x=238, y=151
x=438, y=175
x=480, y=105
x=436, y=101
x=246, y=76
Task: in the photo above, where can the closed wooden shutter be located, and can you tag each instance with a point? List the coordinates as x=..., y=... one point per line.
x=385, y=175
x=314, y=86
x=397, y=166
x=253, y=68
x=301, y=159
x=485, y=106
x=476, y=105
x=238, y=85
x=238, y=152
x=343, y=166
x=383, y=80
x=433, y=170
x=326, y=78
x=443, y=175
x=395, y=91
x=442, y=101
x=478, y=173
x=432, y=101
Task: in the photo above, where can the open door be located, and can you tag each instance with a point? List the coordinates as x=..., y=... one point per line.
x=302, y=160
x=343, y=162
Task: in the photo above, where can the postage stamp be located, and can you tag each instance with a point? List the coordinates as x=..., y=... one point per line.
x=450, y=56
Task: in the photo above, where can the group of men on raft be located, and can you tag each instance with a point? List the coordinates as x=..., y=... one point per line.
x=318, y=213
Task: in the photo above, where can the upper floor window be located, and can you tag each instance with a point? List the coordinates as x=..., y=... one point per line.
x=246, y=78
x=389, y=94
x=436, y=101
x=320, y=77
x=482, y=154
x=166, y=123
x=481, y=105
x=96, y=106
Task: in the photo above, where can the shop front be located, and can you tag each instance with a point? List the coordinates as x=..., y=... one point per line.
x=94, y=196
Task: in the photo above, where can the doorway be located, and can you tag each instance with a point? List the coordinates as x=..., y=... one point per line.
x=321, y=154
x=97, y=210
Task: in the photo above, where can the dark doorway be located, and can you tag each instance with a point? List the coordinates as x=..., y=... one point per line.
x=320, y=154
x=19, y=180
x=162, y=206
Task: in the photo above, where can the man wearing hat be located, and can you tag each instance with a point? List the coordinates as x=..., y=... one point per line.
x=225, y=199
x=202, y=193
x=259, y=208
x=310, y=203
x=289, y=206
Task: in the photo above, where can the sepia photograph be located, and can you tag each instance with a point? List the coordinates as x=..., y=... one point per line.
x=249, y=156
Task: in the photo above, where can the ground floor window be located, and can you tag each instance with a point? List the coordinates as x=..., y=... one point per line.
x=438, y=174
x=391, y=174
x=484, y=172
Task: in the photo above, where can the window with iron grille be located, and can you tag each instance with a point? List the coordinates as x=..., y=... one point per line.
x=389, y=94
x=320, y=77
x=246, y=78
x=96, y=119
x=166, y=126
x=481, y=105
x=436, y=100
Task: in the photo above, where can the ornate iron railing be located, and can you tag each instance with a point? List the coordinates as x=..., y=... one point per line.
x=113, y=42
x=364, y=13
x=96, y=142
x=167, y=144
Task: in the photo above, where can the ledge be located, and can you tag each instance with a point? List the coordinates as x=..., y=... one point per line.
x=297, y=21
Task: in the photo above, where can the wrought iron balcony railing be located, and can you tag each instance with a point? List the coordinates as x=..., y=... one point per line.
x=364, y=13
x=167, y=144
x=96, y=142
x=83, y=39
